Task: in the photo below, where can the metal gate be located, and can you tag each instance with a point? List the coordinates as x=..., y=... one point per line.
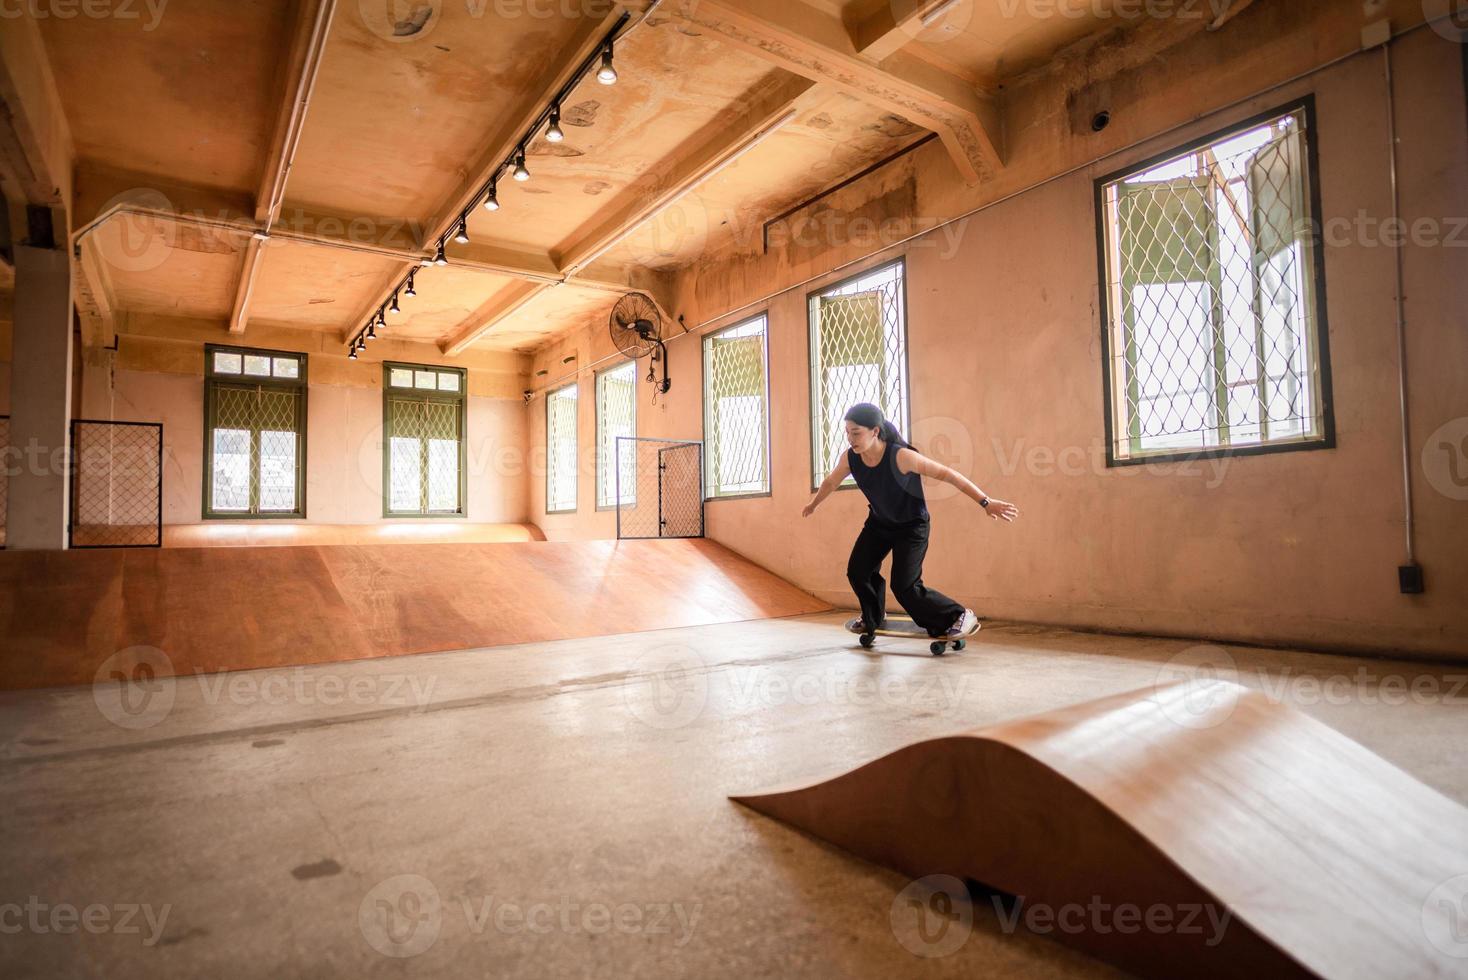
x=659, y=487
x=116, y=485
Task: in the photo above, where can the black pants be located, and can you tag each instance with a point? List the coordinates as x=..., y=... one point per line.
x=930, y=609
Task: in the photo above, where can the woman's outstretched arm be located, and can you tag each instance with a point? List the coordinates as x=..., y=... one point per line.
x=911, y=461
x=829, y=484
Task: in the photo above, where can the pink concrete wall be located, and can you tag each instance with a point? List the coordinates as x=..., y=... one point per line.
x=343, y=449
x=1006, y=374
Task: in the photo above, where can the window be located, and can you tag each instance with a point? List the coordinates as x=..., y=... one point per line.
x=560, y=449
x=736, y=410
x=423, y=428
x=858, y=348
x=616, y=415
x=1213, y=309
x=254, y=433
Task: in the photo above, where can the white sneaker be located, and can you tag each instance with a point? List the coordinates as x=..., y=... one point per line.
x=965, y=624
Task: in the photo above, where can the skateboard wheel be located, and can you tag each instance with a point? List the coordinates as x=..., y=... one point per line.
x=938, y=648
x=959, y=644
x=866, y=640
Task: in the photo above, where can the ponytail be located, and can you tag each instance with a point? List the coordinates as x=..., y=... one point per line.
x=869, y=416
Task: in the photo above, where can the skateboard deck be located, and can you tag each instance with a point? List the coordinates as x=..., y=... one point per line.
x=901, y=626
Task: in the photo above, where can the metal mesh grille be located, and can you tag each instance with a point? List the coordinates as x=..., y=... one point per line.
x=254, y=438
x=665, y=480
x=1211, y=281
x=425, y=440
x=736, y=419
x=116, y=484
x=560, y=449
x=616, y=418
x=5, y=467
x=858, y=354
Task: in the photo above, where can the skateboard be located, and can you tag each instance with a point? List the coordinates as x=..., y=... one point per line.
x=901, y=626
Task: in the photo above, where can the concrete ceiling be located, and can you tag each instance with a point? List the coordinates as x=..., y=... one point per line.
x=725, y=114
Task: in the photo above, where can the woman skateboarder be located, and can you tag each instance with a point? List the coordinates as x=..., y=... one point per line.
x=889, y=472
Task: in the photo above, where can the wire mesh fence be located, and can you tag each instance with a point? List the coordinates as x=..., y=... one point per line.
x=662, y=496
x=735, y=411
x=4, y=477
x=116, y=485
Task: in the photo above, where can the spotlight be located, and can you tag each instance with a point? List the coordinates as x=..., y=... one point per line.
x=462, y=236
x=553, y=132
x=606, y=74
x=520, y=172
x=410, y=290
x=440, y=258
x=371, y=333
x=395, y=308
x=492, y=202
x=352, y=354
x=361, y=344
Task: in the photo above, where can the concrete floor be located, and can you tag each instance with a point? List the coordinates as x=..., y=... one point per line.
x=560, y=807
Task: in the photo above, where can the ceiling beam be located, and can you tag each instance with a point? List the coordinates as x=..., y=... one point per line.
x=499, y=306
x=36, y=149
x=732, y=134
x=818, y=45
x=95, y=298
x=298, y=82
x=881, y=30
x=249, y=270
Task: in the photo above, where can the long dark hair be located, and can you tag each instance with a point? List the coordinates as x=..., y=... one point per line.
x=869, y=416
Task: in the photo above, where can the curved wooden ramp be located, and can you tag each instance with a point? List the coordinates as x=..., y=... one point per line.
x=1324, y=854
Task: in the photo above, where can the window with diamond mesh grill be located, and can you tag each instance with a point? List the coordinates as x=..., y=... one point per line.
x=616, y=416
x=858, y=348
x=1213, y=326
x=254, y=433
x=423, y=430
x=560, y=449
x=736, y=410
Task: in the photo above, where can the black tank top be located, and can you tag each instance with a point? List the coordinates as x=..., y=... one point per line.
x=895, y=497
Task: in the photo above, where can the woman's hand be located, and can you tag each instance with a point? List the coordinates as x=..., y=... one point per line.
x=1001, y=510
x=810, y=509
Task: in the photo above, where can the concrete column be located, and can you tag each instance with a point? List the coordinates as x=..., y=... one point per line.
x=40, y=400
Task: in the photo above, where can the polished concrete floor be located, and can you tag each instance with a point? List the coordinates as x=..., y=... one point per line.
x=558, y=809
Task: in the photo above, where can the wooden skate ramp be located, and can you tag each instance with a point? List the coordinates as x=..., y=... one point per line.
x=64, y=613
x=1324, y=855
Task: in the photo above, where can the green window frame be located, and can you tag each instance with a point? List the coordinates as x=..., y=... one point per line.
x=424, y=416
x=736, y=410
x=1214, y=333
x=858, y=353
x=616, y=415
x=254, y=434
x=561, y=450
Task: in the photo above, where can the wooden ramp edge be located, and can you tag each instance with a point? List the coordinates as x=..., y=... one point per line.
x=65, y=616
x=1325, y=856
